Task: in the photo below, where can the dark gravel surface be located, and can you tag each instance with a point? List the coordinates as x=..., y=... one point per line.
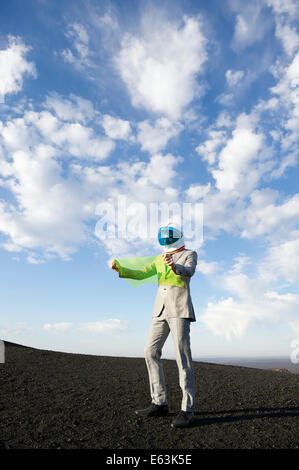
x=53, y=400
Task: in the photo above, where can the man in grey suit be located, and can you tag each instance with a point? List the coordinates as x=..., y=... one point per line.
x=173, y=312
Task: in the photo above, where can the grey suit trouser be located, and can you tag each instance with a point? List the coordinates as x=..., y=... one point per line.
x=158, y=333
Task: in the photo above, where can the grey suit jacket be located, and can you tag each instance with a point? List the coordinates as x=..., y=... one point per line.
x=175, y=294
x=177, y=300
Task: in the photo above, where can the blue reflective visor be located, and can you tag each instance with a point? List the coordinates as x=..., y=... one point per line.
x=168, y=235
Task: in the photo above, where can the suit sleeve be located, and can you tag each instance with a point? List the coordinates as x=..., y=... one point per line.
x=144, y=273
x=188, y=268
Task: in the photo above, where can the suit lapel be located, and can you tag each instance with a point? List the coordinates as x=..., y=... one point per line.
x=178, y=255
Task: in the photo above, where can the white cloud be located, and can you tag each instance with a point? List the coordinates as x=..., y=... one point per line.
x=286, y=15
x=48, y=213
x=229, y=317
x=207, y=268
x=287, y=92
x=265, y=217
x=73, y=108
x=104, y=326
x=251, y=25
x=197, y=191
x=109, y=325
x=208, y=150
x=281, y=262
x=240, y=160
x=226, y=99
x=233, y=77
x=57, y=327
x=226, y=318
x=240, y=262
x=80, y=56
x=107, y=21
x=295, y=327
x=33, y=260
x=160, y=170
x=224, y=119
x=116, y=128
x=152, y=182
x=51, y=204
x=14, y=66
x=68, y=137
x=81, y=143
x=50, y=166
x=221, y=212
x=160, y=66
x=292, y=72
x=288, y=36
x=239, y=166
x=154, y=138
x=289, y=7
x=10, y=330
x=251, y=301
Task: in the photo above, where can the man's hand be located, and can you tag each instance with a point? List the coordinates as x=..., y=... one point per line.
x=169, y=261
x=114, y=266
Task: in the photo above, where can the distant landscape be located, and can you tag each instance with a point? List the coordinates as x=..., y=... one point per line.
x=256, y=362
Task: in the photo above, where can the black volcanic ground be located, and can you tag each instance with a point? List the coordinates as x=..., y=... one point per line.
x=58, y=400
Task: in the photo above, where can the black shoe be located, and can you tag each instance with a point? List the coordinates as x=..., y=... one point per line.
x=183, y=419
x=153, y=410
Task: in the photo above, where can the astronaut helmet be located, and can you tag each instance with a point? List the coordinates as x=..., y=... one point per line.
x=171, y=237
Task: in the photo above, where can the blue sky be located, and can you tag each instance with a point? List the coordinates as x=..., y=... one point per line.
x=158, y=102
